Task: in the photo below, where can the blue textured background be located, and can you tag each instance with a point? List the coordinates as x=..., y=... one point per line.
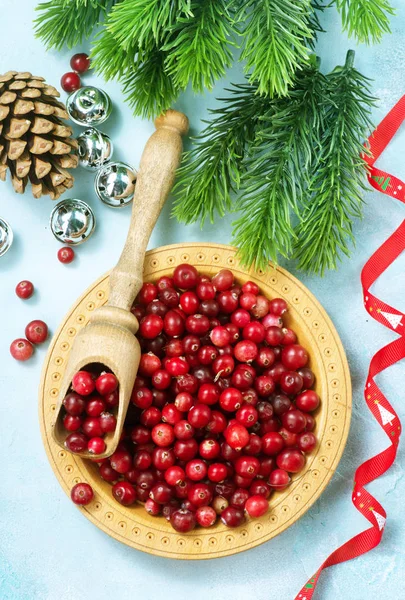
x=48, y=550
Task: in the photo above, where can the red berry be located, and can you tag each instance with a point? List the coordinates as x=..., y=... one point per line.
x=70, y=82
x=232, y=517
x=217, y=472
x=237, y=436
x=185, y=276
x=256, y=506
x=92, y=428
x=183, y=430
x=24, y=289
x=71, y=423
x=80, y=62
x=177, y=366
x=308, y=377
x=150, y=417
x=148, y=364
x=152, y=507
x=223, y=280
x=196, y=469
x=248, y=300
x=289, y=337
x=261, y=307
x=199, y=415
x=291, y=382
x=209, y=449
x=200, y=494
x=163, y=435
x=281, y=404
x=83, y=383
x=174, y=475
x=183, y=520
x=239, y=498
x=96, y=445
x=161, y=379
x=259, y=488
x=21, y=349
x=208, y=393
x=294, y=421
x=247, y=466
x=306, y=441
x=279, y=479
x=171, y=414
x=108, y=422
x=76, y=442
x=250, y=287
x=294, y=357
x=206, y=516
x=245, y=351
x=121, y=461
x=228, y=302
x=161, y=493
x=274, y=336
x=278, y=306
x=124, y=493
x=74, y=404
x=272, y=443
x=230, y=399
x=173, y=324
x=185, y=449
x=112, y=399
x=220, y=336
x=163, y=458
x=247, y=415
x=66, y=255
x=95, y=407
x=240, y=317
x=107, y=473
x=264, y=385
x=142, y=397
x=254, y=331
x=218, y=422
x=307, y=401
x=82, y=494
x=291, y=460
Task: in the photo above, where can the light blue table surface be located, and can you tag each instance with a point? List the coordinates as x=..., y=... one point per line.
x=48, y=550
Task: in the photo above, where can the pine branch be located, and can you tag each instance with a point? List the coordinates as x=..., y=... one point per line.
x=144, y=23
x=275, y=174
x=109, y=59
x=68, y=21
x=211, y=170
x=148, y=72
x=199, y=47
x=334, y=198
x=366, y=20
x=276, y=38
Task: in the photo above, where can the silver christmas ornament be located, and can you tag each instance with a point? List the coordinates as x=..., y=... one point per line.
x=72, y=221
x=115, y=184
x=95, y=149
x=6, y=236
x=89, y=106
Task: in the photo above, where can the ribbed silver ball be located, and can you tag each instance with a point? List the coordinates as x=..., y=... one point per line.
x=72, y=221
x=6, y=237
x=115, y=184
x=89, y=106
x=95, y=149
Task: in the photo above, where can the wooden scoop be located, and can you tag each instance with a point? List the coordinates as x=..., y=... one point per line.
x=109, y=337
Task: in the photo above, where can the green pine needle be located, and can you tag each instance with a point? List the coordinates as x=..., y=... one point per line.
x=109, y=59
x=148, y=73
x=199, y=48
x=68, y=21
x=276, y=35
x=275, y=175
x=339, y=174
x=211, y=171
x=366, y=20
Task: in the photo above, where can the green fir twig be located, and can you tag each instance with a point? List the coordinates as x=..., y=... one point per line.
x=366, y=20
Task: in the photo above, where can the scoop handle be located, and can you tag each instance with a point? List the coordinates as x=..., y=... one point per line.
x=155, y=179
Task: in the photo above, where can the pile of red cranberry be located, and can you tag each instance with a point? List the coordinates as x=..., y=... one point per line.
x=87, y=407
x=221, y=408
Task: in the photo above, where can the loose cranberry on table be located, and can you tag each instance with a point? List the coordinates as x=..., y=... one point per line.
x=21, y=349
x=66, y=255
x=24, y=289
x=36, y=331
x=80, y=63
x=70, y=82
x=82, y=494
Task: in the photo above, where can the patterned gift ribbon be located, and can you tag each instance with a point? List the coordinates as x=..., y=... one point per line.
x=392, y=318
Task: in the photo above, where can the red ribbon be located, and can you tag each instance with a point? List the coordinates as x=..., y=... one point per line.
x=392, y=318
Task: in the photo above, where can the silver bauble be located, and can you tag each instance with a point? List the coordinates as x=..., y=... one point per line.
x=72, y=221
x=95, y=149
x=6, y=236
x=89, y=106
x=115, y=184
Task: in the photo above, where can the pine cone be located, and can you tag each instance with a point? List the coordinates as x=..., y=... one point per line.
x=35, y=144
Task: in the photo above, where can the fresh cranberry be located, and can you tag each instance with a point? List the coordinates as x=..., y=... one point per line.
x=207, y=355
x=306, y=441
x=294, y=421
x=36, y=332
x=239, y=498
x=112, y=400
x=24, y=289
x=156, y=307
x=291, y=382
x=272, y=443
x=149, y=364
x=217, y=472
x=248, y=300
x=186, y=449
x=265, y=358
x=259, y=488
x=163, y=435
x=250, y=287
x=294, y=357
x=247, y=466
x=308, y=377
x=261, y=307
x=250, y=396
x=230, y=399
x=140, y=435
x=83, y=383
x=223, y=280
x=274, y=336
x=92, y=428
x=199, y=415
x=233, y=331
x=142, y=460
x=145, y=480
x=74, y=404
x=161, y=493
x=151, y=326
x=196, y=469
x=108, y=473
x=205, y=290
x=95, y=407
x=197, y=324
x=307, y=401
x=209, y=449
x=232, y=517
x=76, y=442
x=200, y=494
x=152, y=507
x=66, y=254
x=185, y=277
x=161, y=379
x=164, y=282
x=279, y=479
x=191, y=344
x=82, y=494
x=289, y=337
x=228, y=301
x=186, y=383
x=236, y=436
x=142, y=397
x=121, y=461
x=291, y=460
x=157, y=345
x=124, y=493
x=254, y=331
x=148, y=293
x=256, y=506
x=281, y=404
x=220, y=336
x=310, y=423
x=72, y=423
x=290, y=438
x=183, y=520
x=217, y=423
x=267, y=465
x=183, y=430
x=206, y=516
x=247, y=415
x=245, y=351
x=219, y=504
x=174, y=475
x=21, y=349
x=270, y=425
x=163, y=458
x=254, y=446
x=240, y=317
x=264, y=410
x=170, y=298
x=96, y=445
x=276, y=371
x=264, y=385
x=80, y=63
x=243, y=377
